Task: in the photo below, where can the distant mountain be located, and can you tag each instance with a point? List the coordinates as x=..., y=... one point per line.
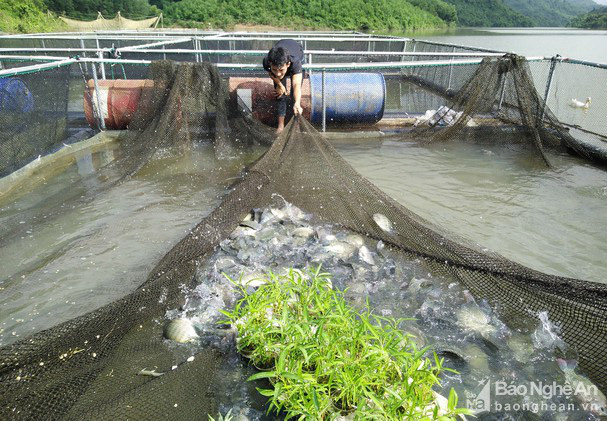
x=588, y=4
x=488, y=13
x=551, y=12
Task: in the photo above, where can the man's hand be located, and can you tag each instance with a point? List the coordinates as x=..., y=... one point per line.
x=279, y=90
x=297, y=110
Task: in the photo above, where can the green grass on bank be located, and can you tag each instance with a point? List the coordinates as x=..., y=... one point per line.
x=25, y=16
x=324, y=358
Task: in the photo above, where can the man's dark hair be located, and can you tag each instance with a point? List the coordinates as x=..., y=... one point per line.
x=278, y=56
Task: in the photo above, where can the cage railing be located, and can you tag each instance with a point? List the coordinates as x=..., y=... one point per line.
x=315, y=63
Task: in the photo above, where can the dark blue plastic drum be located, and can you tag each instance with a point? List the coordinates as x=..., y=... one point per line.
x=15, y=96
x=349, y=97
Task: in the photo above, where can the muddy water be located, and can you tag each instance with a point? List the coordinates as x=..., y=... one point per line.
x=68, y=254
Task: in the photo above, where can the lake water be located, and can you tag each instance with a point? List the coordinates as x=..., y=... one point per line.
x=590, y=45
x=67, y=255
x=66, y=251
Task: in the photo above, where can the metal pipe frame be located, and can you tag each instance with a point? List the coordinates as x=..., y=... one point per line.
x=154, y=44
x=58, y=62
x=315, y=66
x=553, y=63
x=324, y=103
x=100, y=119
x=248, y=52
x=162, y=38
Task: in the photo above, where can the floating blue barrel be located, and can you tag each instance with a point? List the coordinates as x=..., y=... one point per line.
x=349, y=97
x=15, y=96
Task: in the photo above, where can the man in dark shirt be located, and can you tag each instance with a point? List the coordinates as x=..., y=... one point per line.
x=285, y=59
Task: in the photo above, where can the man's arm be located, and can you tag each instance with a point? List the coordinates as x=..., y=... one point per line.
x=280, y=90
x=296, y=80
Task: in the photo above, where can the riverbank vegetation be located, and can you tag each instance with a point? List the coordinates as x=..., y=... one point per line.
x=398, y=16
x=550, y=12
x=323, y=358
x=27, y=16
x=390, y=15
x=596, y=19
x=488, y=13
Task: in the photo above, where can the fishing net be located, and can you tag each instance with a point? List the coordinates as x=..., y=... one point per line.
x=118, y=22
x=33, y=117
x=182, y=105
x=87, y=367
x=501, y=90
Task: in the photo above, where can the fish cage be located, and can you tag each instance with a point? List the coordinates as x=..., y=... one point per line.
x=48, y=74
x=83, y=113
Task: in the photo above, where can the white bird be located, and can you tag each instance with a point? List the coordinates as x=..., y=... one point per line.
x=575, y=103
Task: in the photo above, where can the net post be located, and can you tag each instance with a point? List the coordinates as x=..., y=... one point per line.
x=503, y=92
x=194, y=47
x=324, y=104
x=450, y=70
x=197, y=45
x=101, y=122
x=100, y=55
x=83, y=53
x=310, y=62
x=402, y=58
x=553, y=62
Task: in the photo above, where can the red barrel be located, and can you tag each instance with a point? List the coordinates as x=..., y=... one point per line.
x=263, y=99
x=119, y=100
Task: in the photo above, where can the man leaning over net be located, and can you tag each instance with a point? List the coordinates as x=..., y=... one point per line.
x=285, y=59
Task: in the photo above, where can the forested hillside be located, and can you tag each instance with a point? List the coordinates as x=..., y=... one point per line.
x=382, y=15
x=488, y=13
x=551, y=12
x=391, y=15
x=26, y=16
x=596, y=19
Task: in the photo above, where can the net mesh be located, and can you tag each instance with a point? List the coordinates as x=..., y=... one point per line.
x=502, y=89
x=45, y=106
x=86, y=368
x=118, y=22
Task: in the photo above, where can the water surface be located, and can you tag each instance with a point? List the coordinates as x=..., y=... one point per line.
x=581, y=44
x=501, y=198
x=70, y=253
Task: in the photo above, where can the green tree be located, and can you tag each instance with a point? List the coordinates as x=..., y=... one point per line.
x=596, y=19
x=488, y=13
x=26, y=16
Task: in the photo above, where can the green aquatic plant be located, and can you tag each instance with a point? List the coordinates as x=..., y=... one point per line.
x=325, y=359
x=226, y=417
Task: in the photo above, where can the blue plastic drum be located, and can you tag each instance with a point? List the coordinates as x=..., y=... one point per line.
x=15, y=96
x=349, y=97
